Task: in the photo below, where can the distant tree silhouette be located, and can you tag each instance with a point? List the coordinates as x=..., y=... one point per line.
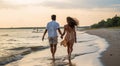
x=110, y=22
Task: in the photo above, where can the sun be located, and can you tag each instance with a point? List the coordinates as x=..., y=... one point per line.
x=23, y=2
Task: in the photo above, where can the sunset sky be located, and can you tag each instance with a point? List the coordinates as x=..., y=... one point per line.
x=37, y=13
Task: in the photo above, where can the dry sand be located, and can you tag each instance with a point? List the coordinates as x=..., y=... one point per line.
x=111, y=57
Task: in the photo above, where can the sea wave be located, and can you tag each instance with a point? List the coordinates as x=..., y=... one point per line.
x=18, y=53
x=4, y=35
x=12, y=40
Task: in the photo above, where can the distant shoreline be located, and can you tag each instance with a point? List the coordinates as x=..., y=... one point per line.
x=24, y=28
x=39, y=27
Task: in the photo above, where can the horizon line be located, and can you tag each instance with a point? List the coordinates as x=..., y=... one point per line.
x=34, y=27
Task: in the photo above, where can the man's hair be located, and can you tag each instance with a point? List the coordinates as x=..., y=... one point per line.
x=53, y=17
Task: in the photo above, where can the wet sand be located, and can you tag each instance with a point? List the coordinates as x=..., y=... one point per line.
x=111, y=57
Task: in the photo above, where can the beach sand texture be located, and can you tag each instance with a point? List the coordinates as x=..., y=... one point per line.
x=111, y=57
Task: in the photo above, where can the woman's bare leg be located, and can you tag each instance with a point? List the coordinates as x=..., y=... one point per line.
x=70, y=49
x=69, y=53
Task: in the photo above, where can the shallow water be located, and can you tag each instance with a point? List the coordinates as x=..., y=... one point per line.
x=86, y=51
x=15, y=38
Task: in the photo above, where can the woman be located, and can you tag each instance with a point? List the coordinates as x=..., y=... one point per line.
x=70, y=38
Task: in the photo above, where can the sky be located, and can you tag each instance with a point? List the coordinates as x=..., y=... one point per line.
x=37, y=13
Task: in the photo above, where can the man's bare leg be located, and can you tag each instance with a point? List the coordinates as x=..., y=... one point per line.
x=52, y=51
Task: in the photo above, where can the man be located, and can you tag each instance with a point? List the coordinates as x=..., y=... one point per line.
x=52, y=28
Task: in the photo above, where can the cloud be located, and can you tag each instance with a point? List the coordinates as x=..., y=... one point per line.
x=82, y=3
x=18, y=3
x=4, y=4
x=69, y=4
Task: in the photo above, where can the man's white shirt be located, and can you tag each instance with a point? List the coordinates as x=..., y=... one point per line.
x=52, y=28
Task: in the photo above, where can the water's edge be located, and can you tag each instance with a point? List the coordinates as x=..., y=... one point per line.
x=22, y=51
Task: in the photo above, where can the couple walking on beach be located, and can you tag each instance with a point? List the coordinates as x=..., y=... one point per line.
x=69, y=39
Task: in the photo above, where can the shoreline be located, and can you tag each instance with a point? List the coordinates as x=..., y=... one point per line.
x=87, y=48
x=111, y=56
x=19, y=53
x=108, y=58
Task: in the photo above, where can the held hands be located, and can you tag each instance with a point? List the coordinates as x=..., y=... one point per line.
x=61, y=36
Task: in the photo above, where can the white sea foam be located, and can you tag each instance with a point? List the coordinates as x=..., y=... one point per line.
x=86, y=52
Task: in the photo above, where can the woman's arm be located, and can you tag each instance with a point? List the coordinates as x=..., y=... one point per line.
x=75, y=35
x=63, y=32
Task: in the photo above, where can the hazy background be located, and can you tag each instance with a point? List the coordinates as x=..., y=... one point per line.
x=36, y=13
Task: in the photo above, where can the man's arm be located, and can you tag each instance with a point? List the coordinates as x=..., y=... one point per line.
x=44, y=34
x=59, y=31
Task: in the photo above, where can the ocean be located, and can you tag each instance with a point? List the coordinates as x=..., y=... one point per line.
x=86, y=52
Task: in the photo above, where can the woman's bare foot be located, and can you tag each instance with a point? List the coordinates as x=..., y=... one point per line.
x=70, y=64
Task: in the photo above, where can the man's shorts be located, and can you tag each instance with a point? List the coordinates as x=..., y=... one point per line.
x=53, y=40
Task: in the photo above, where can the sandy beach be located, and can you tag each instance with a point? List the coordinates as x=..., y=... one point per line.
x=111, y=57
